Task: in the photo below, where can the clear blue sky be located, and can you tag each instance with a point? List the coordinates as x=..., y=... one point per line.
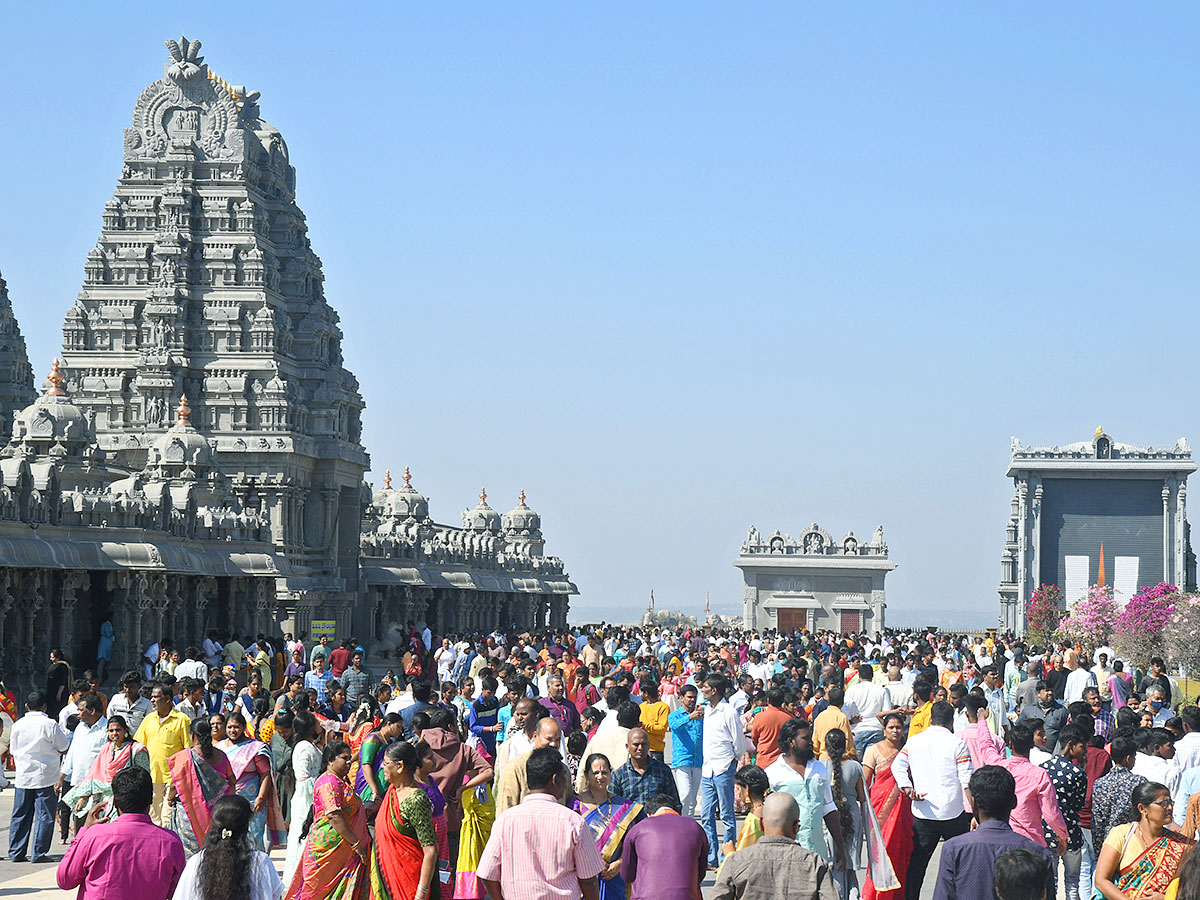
x=679, y=268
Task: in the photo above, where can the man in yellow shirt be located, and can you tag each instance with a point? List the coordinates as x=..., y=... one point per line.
x=164, y=732
x=921, y=696
x=654, y=719
x=832, y=717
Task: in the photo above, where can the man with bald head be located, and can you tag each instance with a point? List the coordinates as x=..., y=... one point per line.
x=643, y=776
x=514, y=783
x=776, y=868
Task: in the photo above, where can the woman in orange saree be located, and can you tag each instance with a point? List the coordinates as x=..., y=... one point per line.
x=405, y=862
x=892, y=808
x=1141, y=859
x=333, y=865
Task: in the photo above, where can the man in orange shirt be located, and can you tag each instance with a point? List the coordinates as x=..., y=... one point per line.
x=653, y=718
x=830, y=718
x=764, y=730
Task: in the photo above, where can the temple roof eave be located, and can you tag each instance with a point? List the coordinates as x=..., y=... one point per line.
x=376, y=574
x=35, y=551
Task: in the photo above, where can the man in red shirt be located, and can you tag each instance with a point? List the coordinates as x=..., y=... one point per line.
x=764, y=730
x=339, y=659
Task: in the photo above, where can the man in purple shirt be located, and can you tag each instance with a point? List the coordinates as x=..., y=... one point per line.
x=969, y=860
x=562, y=709
x=101, y=863
x=665, y=856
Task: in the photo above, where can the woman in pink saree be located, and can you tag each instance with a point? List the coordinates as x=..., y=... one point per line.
x=334, y=862
x=252, y=767
x=200, y=776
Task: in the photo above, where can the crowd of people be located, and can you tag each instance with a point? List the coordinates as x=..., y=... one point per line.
x=613, y=762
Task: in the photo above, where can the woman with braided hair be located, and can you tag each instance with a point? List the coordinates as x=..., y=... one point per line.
x=846, y=782
x=228, y=868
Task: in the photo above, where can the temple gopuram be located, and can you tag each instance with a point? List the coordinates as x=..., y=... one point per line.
x=196, y=460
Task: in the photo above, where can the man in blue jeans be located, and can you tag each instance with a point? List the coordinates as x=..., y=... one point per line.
x=724, y=744
x=37, y=745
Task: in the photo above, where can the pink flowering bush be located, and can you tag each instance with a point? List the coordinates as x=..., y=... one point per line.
x=1043, y=613
x=1090, y=620
x=1182, y=634
x=1138, y=632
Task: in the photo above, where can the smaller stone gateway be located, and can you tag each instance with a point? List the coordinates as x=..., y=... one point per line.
x=814, y=581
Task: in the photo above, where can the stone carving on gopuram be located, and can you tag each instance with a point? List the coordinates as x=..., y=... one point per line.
x=489, y=573
x=203, y=283
x=196, y=461
x=16, y=375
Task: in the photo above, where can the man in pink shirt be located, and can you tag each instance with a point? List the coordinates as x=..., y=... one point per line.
x=101, y=861
x=987, y=749
x=539, y=849
x=1036, y=799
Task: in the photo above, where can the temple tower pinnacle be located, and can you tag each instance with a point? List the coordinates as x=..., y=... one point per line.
x=16, y=374
x=203, y=283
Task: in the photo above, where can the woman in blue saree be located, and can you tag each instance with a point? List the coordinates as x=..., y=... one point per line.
x=609, y=818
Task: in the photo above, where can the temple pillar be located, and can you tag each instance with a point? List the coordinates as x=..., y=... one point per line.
x=1037, y=531
x=1166, y=520
x=1181, y=548
x=73, y=584
x=6, y=627
x=117, y=584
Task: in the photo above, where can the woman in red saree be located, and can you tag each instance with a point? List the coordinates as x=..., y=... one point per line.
x=334, y=862
x=405, y=862
x=892, y=808
x=200, y=776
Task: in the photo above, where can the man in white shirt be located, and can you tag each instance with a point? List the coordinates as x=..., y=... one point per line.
x=909, y=673
x=129, y=704
x=758, y=669
x=1079, y=678
x=741, y=696
x=934, y=770
x=88, y=739
x=212, y=650
x=192, y=667
x=37, y=746
x=192, y=704
x=900, y=694
x=724, y=744
x=1187, y=748
x=1155, y=760
x=993, y=692
x=78, y=687
x=869, y=699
